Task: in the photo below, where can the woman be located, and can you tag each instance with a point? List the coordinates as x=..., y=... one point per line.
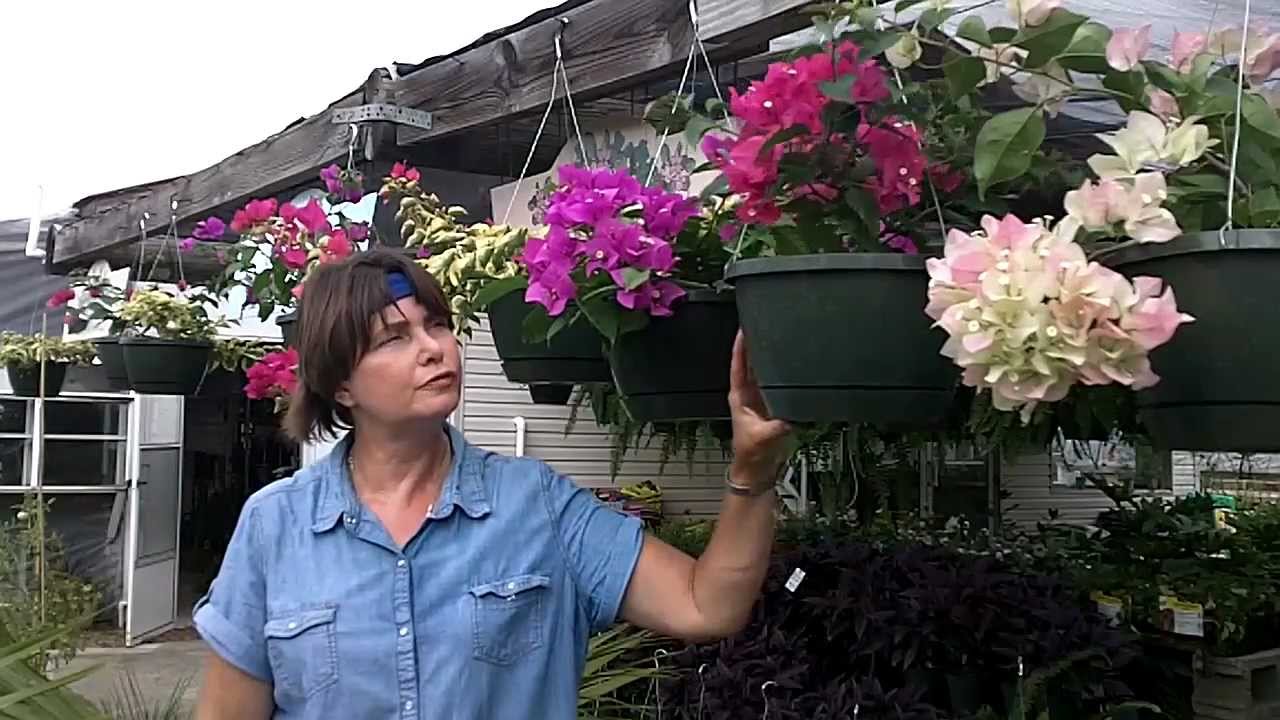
x=412, y=575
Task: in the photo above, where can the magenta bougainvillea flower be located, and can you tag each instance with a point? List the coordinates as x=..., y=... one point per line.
x=274, y=376
x=604, y=222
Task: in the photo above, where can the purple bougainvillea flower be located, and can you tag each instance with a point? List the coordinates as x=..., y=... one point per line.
x=210, y=228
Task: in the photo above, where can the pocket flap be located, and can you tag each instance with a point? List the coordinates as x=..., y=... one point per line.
x=512, y=586
x=295, y=624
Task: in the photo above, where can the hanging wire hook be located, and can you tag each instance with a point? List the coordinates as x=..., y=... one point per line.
x=351, y=146
x=763, y=688
x=653, y=686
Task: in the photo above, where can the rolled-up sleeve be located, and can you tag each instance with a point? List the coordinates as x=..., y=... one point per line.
x=600, y=544
x=231, y=616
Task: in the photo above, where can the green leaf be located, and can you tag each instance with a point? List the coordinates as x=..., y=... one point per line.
x=497, y=288
x=1049, y=39
x=718, y=186
x=905, y=4
x=1257, y=114
x=933, y=18
x=974, y=29
x=536, y=325
x=696, y=127
x=1132, y=84
x=633, y=278
x=963, y=73
x=1005, y=145
x=867, y=210
x=839, y=90
x=783, y=136
x=1002, y=34
x=1087, y=52
x=1264, y=208
x=872, y=43
x=1165, y=78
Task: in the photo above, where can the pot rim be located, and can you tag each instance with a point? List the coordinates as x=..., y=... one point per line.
x=1197, y=242
x=708, y=295
x=824, y=262
x=147, y=340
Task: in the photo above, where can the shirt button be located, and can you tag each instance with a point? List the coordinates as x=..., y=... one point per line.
x=404, y=631
x=408, y=704
x=400, y=563
x=293, y=625
x=511, y=586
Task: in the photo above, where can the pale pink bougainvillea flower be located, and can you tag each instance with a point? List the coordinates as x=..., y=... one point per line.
x=1185, y=49
x=1127, y=47
x=1028, y=316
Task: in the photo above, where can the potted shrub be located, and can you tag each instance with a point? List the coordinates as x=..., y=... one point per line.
x=476, y=267
x=836, y=193
x=28, y=358
x=167, y=343
x=643, y=267
x=280, y=243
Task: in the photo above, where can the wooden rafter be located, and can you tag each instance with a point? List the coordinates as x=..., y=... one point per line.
x=609, y=45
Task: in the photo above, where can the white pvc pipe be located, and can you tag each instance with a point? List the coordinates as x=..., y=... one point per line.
x=33, y=232
x=520, y=428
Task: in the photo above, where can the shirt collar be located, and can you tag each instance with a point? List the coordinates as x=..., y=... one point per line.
x=464, y=487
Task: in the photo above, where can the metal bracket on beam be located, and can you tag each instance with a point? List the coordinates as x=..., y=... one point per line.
x=383, y=112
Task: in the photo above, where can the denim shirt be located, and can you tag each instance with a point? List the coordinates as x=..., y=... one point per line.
x=485, y=613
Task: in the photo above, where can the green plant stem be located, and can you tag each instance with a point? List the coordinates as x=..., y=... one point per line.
x=1221, y=164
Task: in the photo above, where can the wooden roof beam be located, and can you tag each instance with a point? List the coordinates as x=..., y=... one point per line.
x=608, y=45
x=279, y=162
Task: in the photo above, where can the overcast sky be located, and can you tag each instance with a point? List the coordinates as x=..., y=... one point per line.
x=101, y=95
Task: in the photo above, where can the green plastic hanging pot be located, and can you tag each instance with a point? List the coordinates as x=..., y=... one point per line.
x=112, y=357
x=677, y=368
x=165, y=367
x=573, y=356
x=25, y=380
x=844, y=337
x=1219, y=389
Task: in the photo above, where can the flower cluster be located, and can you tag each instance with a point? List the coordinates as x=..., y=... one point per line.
x=342, y=185
x=605, y=222
x=298, y=235
x=274, y=376
x=1028, y=316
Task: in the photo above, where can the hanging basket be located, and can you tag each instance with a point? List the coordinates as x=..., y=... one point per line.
x=165, y=367
x=1219, y=389
x=550, y=393
x=112, y=356
x=573, y=356
x=677, y=368
x=844, y=337
x=25, y=380
x=288, y=324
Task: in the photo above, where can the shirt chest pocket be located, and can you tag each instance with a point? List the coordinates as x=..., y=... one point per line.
x=303, y=648
x=509, y=617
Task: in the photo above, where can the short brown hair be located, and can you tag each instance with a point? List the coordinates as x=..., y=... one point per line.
x=334, y=332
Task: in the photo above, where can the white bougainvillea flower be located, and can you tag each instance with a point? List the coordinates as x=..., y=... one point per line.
x=1030, y=13
x=1145, y=141
x=1050, y=86
x=1127, y=47
x=904, y=53
x=1000, y=59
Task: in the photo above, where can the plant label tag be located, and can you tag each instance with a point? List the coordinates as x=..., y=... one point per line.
x=1110, y=607
x=1181, y=618
x=793, y=582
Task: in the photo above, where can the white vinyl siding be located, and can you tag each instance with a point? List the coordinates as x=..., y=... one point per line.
x=1028, y=478
x=490, y=403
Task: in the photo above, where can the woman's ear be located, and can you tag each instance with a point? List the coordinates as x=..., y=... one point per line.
x=343, y=396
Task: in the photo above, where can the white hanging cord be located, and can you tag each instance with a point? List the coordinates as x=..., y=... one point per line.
x=568, y=93
x=675, y=104
x=1235, y=140
x=715, y=77
x=164, y=242
x=546, y=114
